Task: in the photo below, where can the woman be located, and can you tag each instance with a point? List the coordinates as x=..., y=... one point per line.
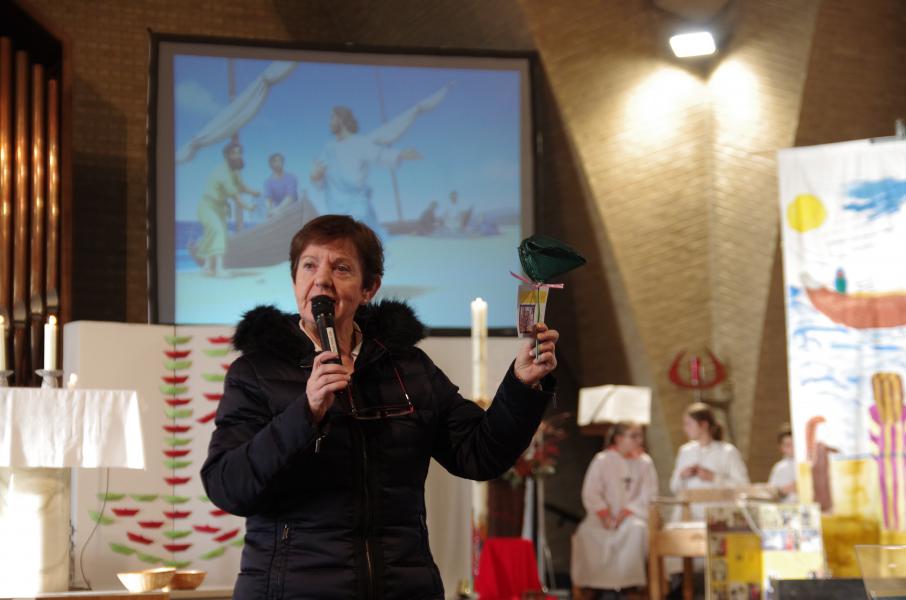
x=705, y=461
x=610, y=545
x=327, y=460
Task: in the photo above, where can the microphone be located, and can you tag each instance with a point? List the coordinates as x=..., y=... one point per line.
x=322, y=308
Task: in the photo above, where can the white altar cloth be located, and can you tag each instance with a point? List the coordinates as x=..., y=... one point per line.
x=44, y=432
x=70, y=428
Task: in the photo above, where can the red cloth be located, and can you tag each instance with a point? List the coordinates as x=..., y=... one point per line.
x=506, y=568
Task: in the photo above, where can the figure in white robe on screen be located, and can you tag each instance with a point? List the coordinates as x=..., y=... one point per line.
x=610, y=546
x=342, y=169
x=705, y=461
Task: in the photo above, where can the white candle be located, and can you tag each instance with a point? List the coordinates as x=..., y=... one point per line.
x=50, y=344
x=479, y=349
x=2, y=343
x=73, y=381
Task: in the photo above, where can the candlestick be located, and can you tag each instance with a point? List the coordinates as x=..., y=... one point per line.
x=50, y=344
x=479, y=349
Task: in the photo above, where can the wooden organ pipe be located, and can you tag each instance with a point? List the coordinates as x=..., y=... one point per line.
x=6, y=189
x=21, y=362
x=36, y=258
x=52, y=250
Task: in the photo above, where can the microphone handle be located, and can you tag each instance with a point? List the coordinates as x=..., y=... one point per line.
x=328, y=336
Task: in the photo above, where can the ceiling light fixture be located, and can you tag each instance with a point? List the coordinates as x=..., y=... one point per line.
x=699, y=43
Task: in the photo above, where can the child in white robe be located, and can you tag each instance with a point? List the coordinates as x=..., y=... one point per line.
x=610, y=546
x=783, y=473
x=705, y=461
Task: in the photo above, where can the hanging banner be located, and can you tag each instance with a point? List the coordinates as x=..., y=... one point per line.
x=844, y=260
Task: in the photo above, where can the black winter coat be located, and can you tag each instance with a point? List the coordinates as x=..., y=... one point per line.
x=348, y=521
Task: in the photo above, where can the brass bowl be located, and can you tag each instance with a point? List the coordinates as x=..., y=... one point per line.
x=147, y=580
x=187, y=580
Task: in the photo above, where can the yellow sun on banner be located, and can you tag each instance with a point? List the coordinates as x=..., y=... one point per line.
x=806, y=212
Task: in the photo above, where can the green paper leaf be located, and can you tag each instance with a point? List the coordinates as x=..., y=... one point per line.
x=175, y=535
x=174, y=441
x=143, y=497
x=178, y=413
x=177, y=564
x=148, y=558
x=178, y=340
x=213, y=377
x=175, y=499
x=213, y=553
x=239, y=542
x=177, y=464
x=177, y=365
x=214, y=352
x=100, y=519
x=120, y=549
x=173, y=390
x=204, y=498
x=111, y=496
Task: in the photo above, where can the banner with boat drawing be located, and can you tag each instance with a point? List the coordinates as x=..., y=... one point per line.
x=844, y=243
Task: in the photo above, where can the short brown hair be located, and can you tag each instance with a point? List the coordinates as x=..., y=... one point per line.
x=330, y=228
x=620, y=428
x=702, y=413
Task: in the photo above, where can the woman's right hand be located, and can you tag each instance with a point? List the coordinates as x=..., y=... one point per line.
x=326, y=379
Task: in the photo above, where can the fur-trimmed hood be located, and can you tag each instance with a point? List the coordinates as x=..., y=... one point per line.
x=272, y=331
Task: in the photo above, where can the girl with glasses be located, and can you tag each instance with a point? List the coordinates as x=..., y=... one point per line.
x=609, y=548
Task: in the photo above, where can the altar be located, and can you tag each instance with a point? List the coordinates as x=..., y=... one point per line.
x=44, y=433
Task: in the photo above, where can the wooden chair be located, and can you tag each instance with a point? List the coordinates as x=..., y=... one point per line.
x=686, y=538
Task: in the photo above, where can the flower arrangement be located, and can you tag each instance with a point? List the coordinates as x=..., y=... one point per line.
x=540, y=458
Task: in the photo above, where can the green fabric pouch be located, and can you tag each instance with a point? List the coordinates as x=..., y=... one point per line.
x=544, y=258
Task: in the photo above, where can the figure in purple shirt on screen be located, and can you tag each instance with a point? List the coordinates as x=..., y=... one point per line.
x=281, y=187
x=342, y=169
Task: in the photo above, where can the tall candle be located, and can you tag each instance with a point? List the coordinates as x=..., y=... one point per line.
x=50, y=344
x=2, y=343
x=479, y=349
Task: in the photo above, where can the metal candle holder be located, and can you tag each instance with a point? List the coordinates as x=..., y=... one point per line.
x=50, y=378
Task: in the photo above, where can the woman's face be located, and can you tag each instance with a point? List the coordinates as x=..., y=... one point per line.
x=331, y=269
x=629, y=441
x=692, y=428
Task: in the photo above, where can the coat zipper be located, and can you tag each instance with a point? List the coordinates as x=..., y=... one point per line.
x=367, y=527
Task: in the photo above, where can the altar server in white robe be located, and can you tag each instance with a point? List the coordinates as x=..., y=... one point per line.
x=783, y=473
x=705, y=461
x=610, y=546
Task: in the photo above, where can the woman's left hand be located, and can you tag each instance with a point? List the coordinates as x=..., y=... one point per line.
x=531, y=369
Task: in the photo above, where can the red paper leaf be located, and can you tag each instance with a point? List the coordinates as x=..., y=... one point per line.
x=218, y=513
x=174, y=379
x=224, y=537
x=208, y=417
x=177, y=428
x=177, y=547
x=150, y=524
x=206, y=528
x=177, y=480
x=175, y=453
x=139, y=539
x=125, y=512
x=177, y=514
x=177, y=401
x=177, y=353
x=225, y=366
x=213, y=396
x=221, y=339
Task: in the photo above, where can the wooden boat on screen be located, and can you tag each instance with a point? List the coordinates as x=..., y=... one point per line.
x=267, y=243
x=860, y=310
